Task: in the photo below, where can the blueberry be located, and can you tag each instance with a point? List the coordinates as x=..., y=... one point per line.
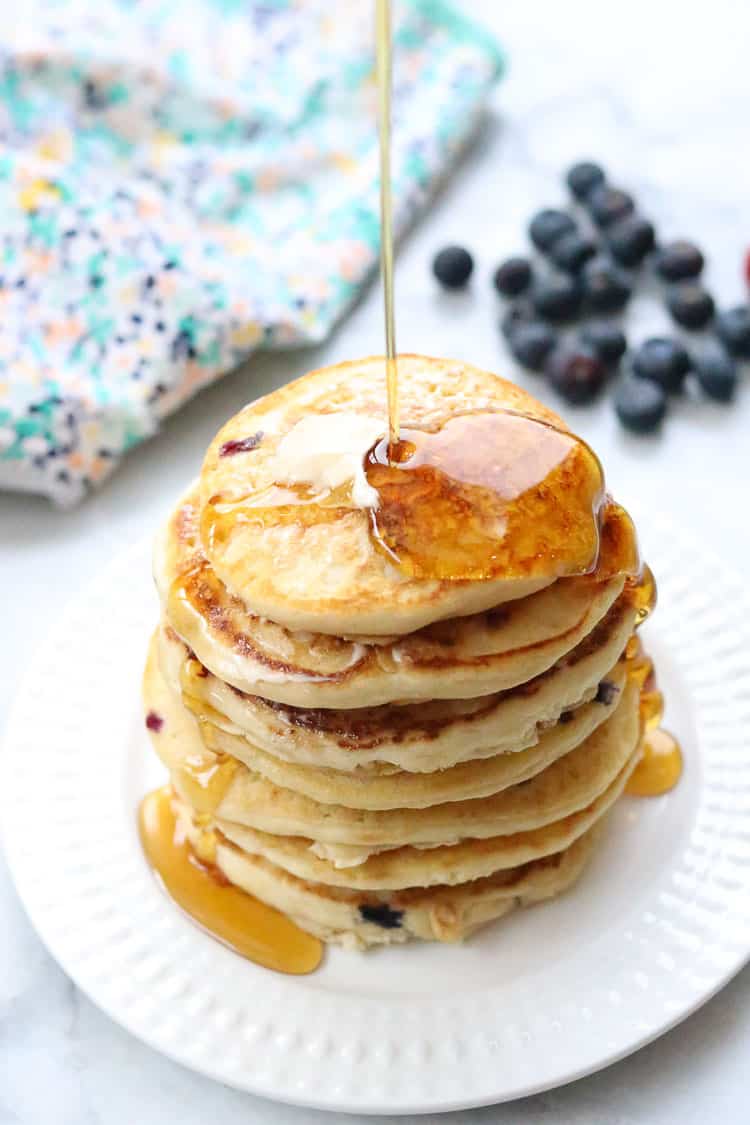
x=381, y=914
x=557, y=298
x=640, y=405
x=520, y=312
x=630, y=240
x=583, y=177
x=513, y=276
x=605, y=287
x=154, y=721
x=572, y=250
x=576, y=373
x=607, y=205
x=690, y=304
x=241, y=445
x=453, y=266
x=606, y=340
x=606, y=692
x=547, y=226
x=733, y=327
x=663, y=361
x=717, y=372
x=531, y=343
x=679, y=261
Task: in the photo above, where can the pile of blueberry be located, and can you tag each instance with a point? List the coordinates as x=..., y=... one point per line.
x=587, y=266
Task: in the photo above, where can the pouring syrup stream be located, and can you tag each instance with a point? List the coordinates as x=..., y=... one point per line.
x=384, y=72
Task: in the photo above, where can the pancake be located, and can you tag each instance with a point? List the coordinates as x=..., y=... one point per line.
x=422, y=737
x=180, y=738
x=357, y=919
x=426, y=867
x=595, y=754
x=464, y=658
x=464, y=781
x=316, y=567
x=571, y=783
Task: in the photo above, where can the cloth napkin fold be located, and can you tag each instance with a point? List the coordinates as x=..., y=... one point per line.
x=184, y=182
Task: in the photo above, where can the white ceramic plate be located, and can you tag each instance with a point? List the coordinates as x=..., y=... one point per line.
x=659, y=922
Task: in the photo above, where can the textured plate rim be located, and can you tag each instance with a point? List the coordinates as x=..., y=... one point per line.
x=698, y=622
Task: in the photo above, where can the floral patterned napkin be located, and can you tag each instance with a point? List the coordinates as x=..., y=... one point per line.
x=183, y=182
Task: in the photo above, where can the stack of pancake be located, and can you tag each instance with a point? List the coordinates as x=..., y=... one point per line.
x=378, y=755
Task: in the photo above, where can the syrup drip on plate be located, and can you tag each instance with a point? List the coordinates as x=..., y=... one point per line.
x=659, y=769
x=190, y=877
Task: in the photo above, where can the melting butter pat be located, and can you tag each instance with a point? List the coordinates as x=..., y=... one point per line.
x=326, y=451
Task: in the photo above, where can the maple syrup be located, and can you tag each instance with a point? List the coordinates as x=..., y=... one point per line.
x=487, y=494
x=644, y=594
x=659, y=769
x=190, y=877
x=384, y=73
x=273, y=507
x=204, y=779
x=463, y=501
x=651, y=709
x=640, y=668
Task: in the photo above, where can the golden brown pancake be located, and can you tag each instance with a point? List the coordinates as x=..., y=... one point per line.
x=323, y=572
x=568, y=782
x=358, y=919
x=467, y=657
x=564, y=787
x=426, y=867
x=423, y=737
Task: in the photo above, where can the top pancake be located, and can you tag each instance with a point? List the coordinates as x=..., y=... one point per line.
x=318, y=568
x=463, y=658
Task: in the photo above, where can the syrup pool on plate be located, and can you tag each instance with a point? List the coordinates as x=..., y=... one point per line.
x=192, y=879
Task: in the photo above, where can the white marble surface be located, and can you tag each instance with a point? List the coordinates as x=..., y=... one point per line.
x=659, y=92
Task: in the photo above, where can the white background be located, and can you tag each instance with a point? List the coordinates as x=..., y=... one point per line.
x=660, y=92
